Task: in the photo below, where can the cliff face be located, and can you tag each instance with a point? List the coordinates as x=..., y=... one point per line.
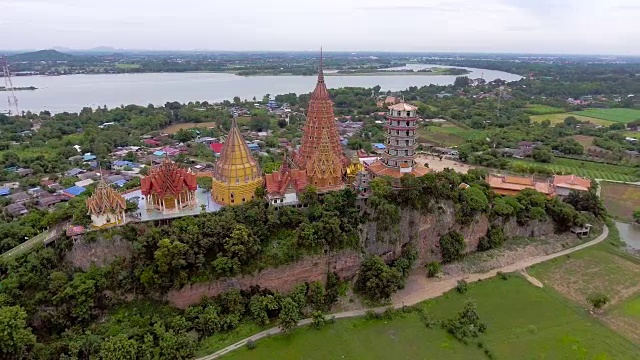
x=421, y=230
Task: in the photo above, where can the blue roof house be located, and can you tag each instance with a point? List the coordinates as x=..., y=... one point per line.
x=5, y=191
x=88, y=157
x=74, y=191
x=379, y=146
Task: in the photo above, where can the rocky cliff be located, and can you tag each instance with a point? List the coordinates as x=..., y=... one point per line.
x=422, y=230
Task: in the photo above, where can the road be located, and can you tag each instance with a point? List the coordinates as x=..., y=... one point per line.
x=43, y=238
x=428, y=288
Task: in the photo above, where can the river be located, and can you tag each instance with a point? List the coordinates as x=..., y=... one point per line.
x=630, y=234
x=73, y=92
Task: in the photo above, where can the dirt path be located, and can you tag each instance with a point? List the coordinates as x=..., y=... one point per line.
x=530, y=278
x=420, y=288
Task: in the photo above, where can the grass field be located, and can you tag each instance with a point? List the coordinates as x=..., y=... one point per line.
x=599, y=269
x=535, y=109
x=621, y=200
x=584, y=140
x=524, y=322
x=559, y=118
x=589, y=169
x=615, y=115
x=448, y=134
x=177, y=127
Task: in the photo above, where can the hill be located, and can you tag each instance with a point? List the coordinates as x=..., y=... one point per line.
x=42, y=55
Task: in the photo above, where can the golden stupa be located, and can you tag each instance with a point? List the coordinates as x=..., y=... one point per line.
x=236, y=174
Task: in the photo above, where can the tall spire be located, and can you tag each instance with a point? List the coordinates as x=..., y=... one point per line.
x=320, y=68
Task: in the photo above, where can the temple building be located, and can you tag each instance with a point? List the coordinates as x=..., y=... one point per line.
x=354, y=168
x=169, y=188
x=400, y=145
x=106, y=206
x=320, y=153
x=284, y=185
x=236, y=174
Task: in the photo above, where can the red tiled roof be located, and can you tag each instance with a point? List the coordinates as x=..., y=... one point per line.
x=511, y=185
x=572, y=182
x=168, y=178
x=279, y=181
x=216, y=147
x=381, y=169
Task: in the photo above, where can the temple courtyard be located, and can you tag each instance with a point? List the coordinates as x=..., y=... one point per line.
x=144, y=214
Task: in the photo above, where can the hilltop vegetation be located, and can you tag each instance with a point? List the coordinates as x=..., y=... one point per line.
x=42, y=55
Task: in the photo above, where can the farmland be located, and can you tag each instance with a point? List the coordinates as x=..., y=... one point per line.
x=621, y=200
x=559, y=118
x=185, y=126
x=600, y=269
x=546, y=326
x=535, y=109
x=615, y=115
x=592, y=170
x=448, y=134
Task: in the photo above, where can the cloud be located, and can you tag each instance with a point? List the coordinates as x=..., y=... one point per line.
x=522, y=28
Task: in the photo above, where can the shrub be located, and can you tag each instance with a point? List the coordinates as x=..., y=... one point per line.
x=598, y=301
x=461, y=287
x=251, y=344
x=494, y=239
x=318, y=319
x=428, y=319
x=433, y=269
x=502, y=275
x=452, y=246
x=376, y=280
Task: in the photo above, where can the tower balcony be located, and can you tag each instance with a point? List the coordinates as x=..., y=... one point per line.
x=401, y=127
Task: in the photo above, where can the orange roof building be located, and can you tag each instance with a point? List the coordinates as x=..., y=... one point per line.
x=106, y=206
x=512, y=185
x=236, y=174
x=320, y=153
x=284, y=185
x=564, y=184
x=400, y=146
x=169, y=188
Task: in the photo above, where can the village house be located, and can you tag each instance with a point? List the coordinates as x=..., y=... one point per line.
x=564, y=184
x=512, y=185
x=16, y=210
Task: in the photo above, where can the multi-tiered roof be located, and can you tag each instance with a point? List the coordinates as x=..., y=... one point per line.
x=105, y=200
x=168, y=179
x=320, y=153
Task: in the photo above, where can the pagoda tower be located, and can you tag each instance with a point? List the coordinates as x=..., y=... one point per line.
x=399, y=156
x=236, y=174
x=169, y=188
x=106, y=206
x=320, y=153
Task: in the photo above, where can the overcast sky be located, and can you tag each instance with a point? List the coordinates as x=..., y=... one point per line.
x=530, y=26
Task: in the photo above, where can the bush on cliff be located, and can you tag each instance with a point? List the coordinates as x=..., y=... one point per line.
x=376, y=280
x=452, y=246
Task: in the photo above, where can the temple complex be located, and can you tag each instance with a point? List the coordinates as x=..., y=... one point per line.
x=236, y=174
x=354, y=168
x=106, y=206
x=169, y=188
x=284, y=185
x=399, y=156
x=320, y=153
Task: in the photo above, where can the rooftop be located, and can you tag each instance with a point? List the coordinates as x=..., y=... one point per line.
x=403, y=107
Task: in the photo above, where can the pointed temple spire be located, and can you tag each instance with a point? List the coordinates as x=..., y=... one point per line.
x=321, y=123
x=236, y=174
x=320, y=68
x=106, y=206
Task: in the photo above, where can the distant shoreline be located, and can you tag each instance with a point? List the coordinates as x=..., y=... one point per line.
x=24, y=88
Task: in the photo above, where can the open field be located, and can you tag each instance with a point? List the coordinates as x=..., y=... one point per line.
x=177, y=127
x=615, y=115
x=583, y=140
x=621, y=200
x=436, y=164
x=546, y=327
x=536, y=109
x=559, y=118
x=448, y=134
x=589, y=169
x=599, y=269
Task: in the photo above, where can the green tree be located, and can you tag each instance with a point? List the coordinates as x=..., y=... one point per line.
x=452, y=246
x=289, y=315
x=376, y=280
x=242, y=244
x=636, y=215
x=15, y=336
x=170, y=255
x=205, y=183
x=542, y=155
x=119, y=347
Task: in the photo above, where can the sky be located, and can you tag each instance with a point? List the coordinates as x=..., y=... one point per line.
x=520, y=26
